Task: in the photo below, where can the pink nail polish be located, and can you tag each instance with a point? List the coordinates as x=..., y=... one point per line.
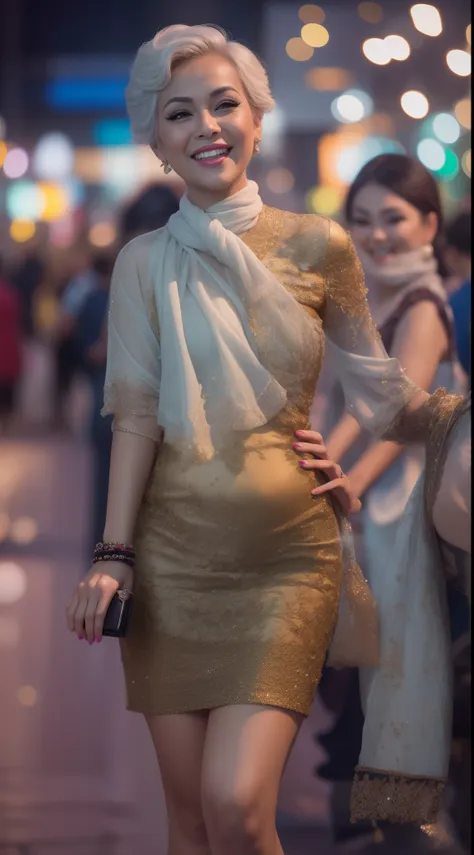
x=91, y=642
x=298, y=433
x=302, y=463
x=98, y=639
x=80, y=637
x=296, y=445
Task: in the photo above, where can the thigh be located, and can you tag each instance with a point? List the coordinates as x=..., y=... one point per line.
x=245, y=752
x=179, y=745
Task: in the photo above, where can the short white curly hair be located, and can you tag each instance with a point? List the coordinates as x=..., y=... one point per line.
x=156, y=59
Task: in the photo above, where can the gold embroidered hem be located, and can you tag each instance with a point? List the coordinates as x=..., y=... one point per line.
x=379, y=796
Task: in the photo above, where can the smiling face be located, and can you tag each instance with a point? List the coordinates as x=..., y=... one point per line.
x=384, y=224
x=206, y=128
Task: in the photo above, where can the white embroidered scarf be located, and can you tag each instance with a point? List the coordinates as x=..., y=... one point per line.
x=243, y=389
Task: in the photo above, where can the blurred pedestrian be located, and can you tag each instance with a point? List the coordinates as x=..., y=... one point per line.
x=10, y=347
x=72, y=301
x=90, y=342
x=458, y=260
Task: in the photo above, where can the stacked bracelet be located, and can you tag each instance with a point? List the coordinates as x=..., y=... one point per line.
x=114, y=552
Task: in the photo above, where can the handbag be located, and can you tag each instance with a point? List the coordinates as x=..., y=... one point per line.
x=118, y=614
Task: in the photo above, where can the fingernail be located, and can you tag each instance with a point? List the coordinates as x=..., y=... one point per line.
x=302, y=462
x=98, y=638
x=296, y=445
x=91, y=642
x=298, y=433
x=80, y=637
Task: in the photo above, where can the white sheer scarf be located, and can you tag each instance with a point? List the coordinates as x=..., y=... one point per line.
x=197, y=251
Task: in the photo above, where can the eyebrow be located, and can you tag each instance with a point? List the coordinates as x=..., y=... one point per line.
x=184, y=100
x=360, y=210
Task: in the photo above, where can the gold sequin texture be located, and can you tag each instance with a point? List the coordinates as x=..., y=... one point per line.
x=238, y=569
x=386, y=797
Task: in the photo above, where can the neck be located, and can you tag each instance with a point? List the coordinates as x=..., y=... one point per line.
x=207, y=198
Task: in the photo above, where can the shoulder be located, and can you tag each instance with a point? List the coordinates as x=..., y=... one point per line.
x=137, y=251
x=315, y=241
x=132, y=265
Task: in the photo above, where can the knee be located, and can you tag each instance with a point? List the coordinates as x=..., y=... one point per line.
x=188, y=827
x=235, y=820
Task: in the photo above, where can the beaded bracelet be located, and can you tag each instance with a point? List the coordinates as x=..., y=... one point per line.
x=119, y=556
x=111, y=544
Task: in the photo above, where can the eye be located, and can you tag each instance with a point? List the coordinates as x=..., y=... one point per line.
x=359, y=221
x=180, y=114
x=397, y=218
x=228, y=104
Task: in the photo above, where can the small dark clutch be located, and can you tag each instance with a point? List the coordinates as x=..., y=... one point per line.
x=118, y=614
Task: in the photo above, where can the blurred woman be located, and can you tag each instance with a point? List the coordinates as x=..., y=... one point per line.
x=394, y=214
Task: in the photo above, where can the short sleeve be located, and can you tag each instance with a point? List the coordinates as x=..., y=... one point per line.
x=377, y=391
x=132, y=382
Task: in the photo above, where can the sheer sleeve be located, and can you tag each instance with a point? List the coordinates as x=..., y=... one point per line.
x=377, y=391
x=132, y=382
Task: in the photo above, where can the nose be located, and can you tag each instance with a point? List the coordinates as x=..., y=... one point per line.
x=379, y=235
x=208, y=125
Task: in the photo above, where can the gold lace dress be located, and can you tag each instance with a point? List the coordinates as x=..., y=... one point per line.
x=239, y=569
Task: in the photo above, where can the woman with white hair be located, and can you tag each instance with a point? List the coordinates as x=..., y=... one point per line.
x=240, y=583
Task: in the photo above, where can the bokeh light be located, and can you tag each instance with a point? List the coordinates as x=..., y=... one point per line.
x=466, y=162
x=315, y=35
x=13, y=582
x=352, y=106
x=280, y=180
x=310, y=14
x=370, y=12
x=325, y=200
x=55, y=201
x=328, y=79
x=24, y=530
x=22, y=231
x=102, y=234
x=398, y=47
x=27, y=696
x=426, y=19
x=298, y=50
x=53, y=158
x=377, y=51
x=462, y=111
x=450, y=167
x=468, y=34
x=16, y=163
x=23, y=200
x=432, y=154
x=459, y=62
x=415, y=104
x=446, y=128
x=3, y=152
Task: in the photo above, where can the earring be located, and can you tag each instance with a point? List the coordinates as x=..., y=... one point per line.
x=166, y=167
x=256, y=147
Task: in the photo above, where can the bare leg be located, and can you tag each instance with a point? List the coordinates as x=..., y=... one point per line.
x=179, y=745
x=245, y=753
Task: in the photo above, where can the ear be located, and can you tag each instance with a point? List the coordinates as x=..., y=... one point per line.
x=431, y=223
x=155, y=147
x=257, y=121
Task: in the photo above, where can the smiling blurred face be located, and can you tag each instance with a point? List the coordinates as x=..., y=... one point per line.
x=385, y=225
x=206, y=128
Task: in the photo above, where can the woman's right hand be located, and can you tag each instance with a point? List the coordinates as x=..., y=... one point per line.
x=90, y=600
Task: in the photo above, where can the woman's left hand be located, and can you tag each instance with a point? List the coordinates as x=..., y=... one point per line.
x=338, y=483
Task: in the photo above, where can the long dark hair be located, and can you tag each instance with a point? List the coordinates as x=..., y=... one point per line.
x=408, y=178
